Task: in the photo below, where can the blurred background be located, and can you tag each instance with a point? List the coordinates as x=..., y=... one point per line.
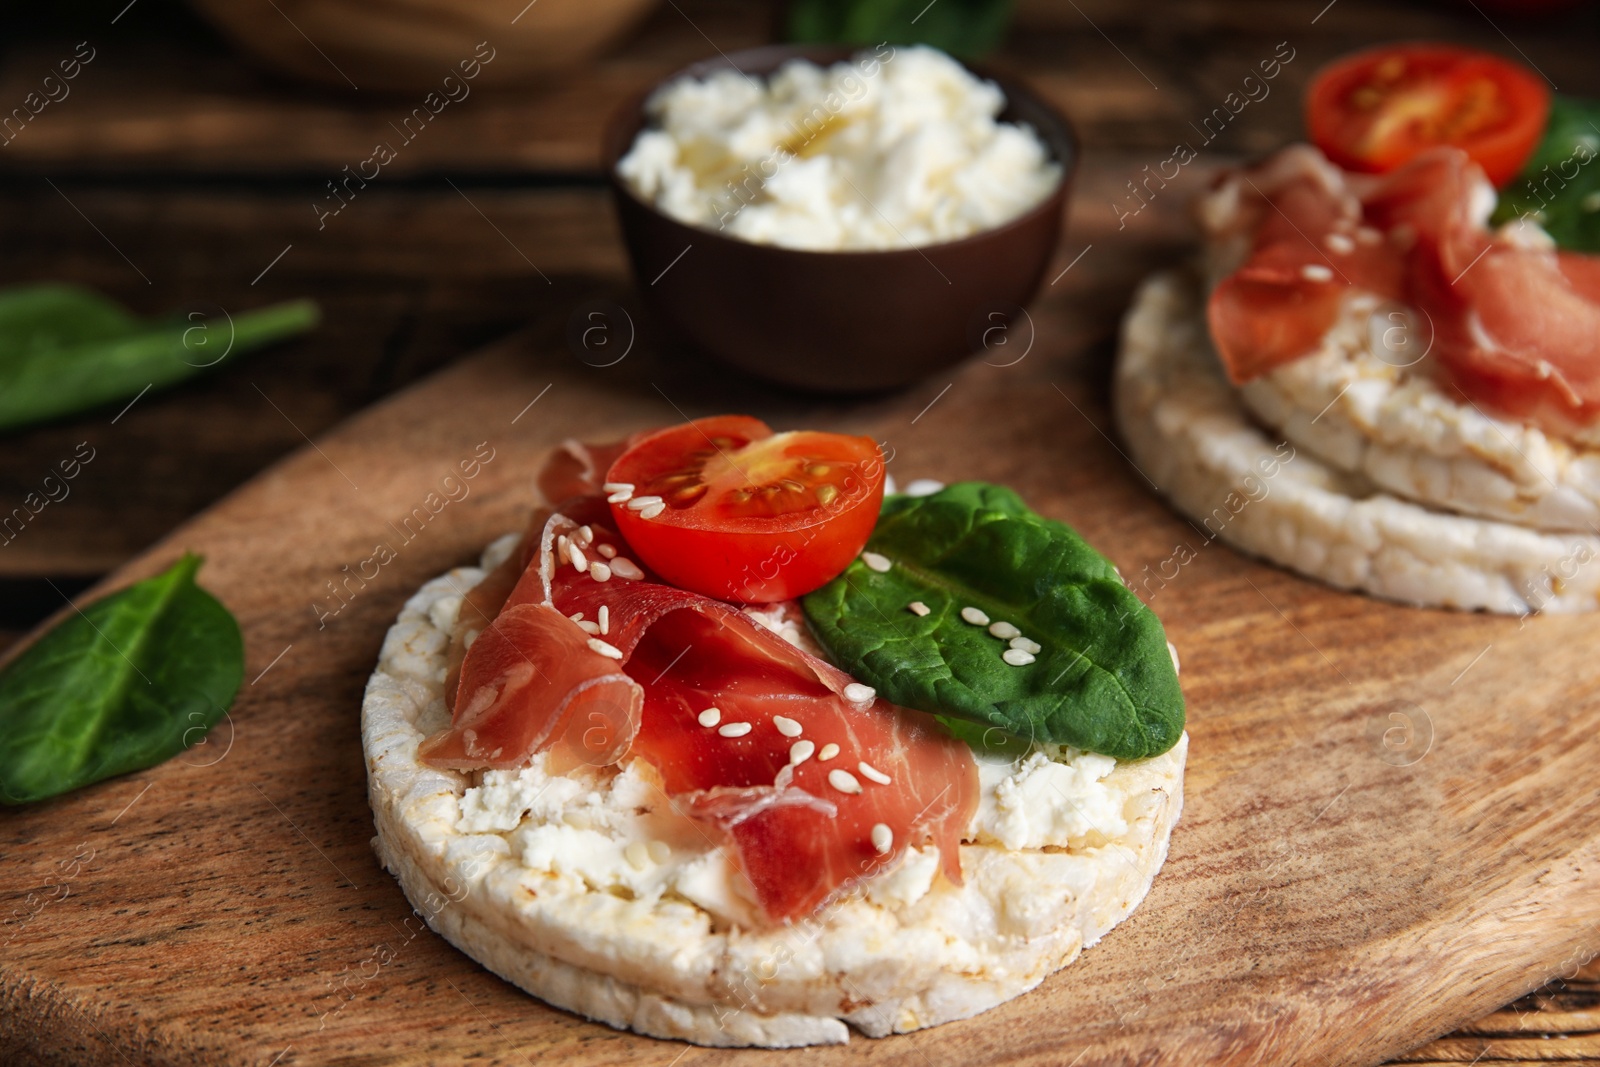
x=198, y=163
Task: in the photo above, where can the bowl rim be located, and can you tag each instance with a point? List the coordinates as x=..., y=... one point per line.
x=629, y=119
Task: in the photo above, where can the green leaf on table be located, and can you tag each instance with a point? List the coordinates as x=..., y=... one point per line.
x=1559, y=186
x=64, y=349
x=1102, y=680
x=961, y=27
x=123, y=684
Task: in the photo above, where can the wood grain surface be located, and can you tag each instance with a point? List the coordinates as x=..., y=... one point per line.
x=1335, y=890
x=175, y=174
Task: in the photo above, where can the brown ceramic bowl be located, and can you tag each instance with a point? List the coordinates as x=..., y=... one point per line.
x=837, y=321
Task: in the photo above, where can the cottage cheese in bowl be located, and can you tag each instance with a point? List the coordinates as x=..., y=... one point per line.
x=895, y=148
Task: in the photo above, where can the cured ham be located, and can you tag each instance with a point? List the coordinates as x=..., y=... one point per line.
x=1515, y=324
x=749, y=735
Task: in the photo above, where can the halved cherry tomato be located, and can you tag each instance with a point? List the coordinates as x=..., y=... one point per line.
x=1378, y=109
x=745, y=514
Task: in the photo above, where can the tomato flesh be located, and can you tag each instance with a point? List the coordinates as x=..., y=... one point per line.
x=1377, y=110
x=745, y=514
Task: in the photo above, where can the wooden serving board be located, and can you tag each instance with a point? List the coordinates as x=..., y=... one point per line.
x=1390, y=826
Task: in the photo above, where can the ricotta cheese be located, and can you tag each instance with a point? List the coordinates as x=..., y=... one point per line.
x=896, y=148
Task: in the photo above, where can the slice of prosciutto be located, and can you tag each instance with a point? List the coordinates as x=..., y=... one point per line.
x=734, y=720
x=1515, y=324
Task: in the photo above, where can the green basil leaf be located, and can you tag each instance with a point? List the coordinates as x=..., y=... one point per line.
x=1559, y=186
x=1103, y=680
x=65, y=349
x=960, y=27
x=121, y=685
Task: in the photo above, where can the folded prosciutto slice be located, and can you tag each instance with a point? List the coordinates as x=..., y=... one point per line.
x=1515, y=324
x=749, y=735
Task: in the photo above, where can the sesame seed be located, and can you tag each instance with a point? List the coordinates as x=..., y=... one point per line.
x=856, y=693
x=872, y=774
x=623, y=567
x=637, y=854
x=975, y=616
x=924, y=487
x=882, y=838
x=877, y=562
x=1004, y=630
x=1338, y=242
x=561, y=545
x=620, y=498
x=652, y=511
x=843, y=781
x=605, y=619
x=608, y=551
x=734, y=729
x=575, y=554
x=576, y=616
x=710, y=717
x=1172, y=650
x=618, y=487
x=1017, y=657
x=1316, y=272
x=1032, y=648
x=917, y=607
x=585, y=536
x=639, y=503
x=786, y=726
x=607, y=650
x=829, y=751
x=660, y=851
x=801, y=751
x=589, y=627
x=599, y=571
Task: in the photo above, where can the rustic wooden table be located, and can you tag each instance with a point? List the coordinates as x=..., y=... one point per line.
x=177, y=177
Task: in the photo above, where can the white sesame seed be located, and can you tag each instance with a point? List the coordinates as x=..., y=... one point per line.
x=1314, y=272
x=576, y=616
x=843, y=781
x=607, y=650
x=1017, y=657
x=589, y=627
x=599, y=571
x=882, y=838
x=608, y=551
x=786, y=726
x=917, y=607
x=872, y=774
x=876, y=562
x=585, y=536
x=1338, y=242
x=623, y=567
x=637, y=854
x=710, y=717
x=801, y=751
x=829, y=751
x=975, y=616
x=652, y=511
x=1004, y=630
x=734, y=729
x=618, y=487
x=575, y=554
x=1032, y=648
x=620, y=498
x=605, y=619
x=561, y=546
x=660, y=851
x=1172, y=650
x=856, y=693
x=639, y=503
x=924, y=487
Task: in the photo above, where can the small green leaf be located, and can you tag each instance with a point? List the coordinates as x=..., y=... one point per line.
x=65, y=349
x=1103, y=679
x=124, y=684
x=1559, y=186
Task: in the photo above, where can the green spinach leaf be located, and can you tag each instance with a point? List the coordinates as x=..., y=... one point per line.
x=1559, y=186
x=121, y=685
x=64, y=349
x=1102, y=680
x=960, y=27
